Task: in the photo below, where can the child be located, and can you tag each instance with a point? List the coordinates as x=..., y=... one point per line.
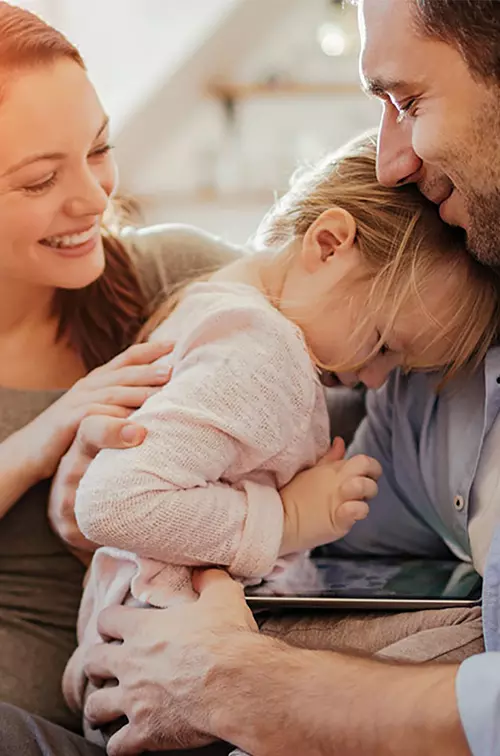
x=354, y=278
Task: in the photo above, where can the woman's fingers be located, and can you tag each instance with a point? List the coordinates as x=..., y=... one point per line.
x=98, y=432
x=140, y=354
x=130, y=397
x=132, y=375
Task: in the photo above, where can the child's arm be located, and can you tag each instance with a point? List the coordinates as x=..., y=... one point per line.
x=243, y=394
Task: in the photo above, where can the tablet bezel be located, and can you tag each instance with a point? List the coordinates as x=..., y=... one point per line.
x=359, y=604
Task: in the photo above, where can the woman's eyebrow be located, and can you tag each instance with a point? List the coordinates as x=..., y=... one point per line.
x=48, y=155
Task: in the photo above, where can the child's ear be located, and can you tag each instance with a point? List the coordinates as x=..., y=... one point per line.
x=333, y=233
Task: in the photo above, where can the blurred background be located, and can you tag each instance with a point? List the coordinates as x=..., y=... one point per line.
x=214, y=103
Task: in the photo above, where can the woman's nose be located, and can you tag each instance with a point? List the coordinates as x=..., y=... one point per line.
x=90, y=198
x=397, y=162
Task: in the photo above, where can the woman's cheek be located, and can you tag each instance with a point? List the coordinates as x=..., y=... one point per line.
x=109, y=177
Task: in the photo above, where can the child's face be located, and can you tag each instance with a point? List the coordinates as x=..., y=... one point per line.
x=327, y=295
x=345, y=334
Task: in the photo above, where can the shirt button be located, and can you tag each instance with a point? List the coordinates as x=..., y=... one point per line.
x=459, y=503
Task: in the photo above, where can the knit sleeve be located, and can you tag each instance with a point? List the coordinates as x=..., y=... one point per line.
x=240, y=394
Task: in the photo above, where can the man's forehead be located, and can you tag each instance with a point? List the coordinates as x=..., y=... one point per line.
x=390, y=45
x=379, y=17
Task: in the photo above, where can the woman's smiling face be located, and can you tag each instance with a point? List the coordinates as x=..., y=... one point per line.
x=56, y=177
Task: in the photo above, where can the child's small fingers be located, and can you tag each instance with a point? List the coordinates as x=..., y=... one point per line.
x=335, y=453
x=349, y=513
x=363, y=465
x=358, y=488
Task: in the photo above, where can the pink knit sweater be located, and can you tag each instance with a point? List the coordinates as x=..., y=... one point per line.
x=243, y=413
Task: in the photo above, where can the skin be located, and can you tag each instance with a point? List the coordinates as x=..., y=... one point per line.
x=334, y=705
x=42, y=197
x=56, y=177
x=184, y=667
x=195, y=672
x=322, y=283
x=444, y=113
x=325, y=292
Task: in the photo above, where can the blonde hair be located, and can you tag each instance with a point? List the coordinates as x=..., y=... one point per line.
x=402, y=241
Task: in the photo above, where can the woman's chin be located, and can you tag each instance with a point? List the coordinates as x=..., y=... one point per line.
x=75, y=272
x=80, y=279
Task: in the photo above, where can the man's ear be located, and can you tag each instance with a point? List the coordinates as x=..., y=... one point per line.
x=333, y=233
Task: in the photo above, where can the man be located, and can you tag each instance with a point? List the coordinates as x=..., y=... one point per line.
x=203, y=668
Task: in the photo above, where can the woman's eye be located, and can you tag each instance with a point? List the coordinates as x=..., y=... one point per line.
x=384, y=349
x=101, y=151
x=42, y=186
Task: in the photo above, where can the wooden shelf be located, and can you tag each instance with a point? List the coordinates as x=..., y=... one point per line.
x=205, y=197
x=235, y=91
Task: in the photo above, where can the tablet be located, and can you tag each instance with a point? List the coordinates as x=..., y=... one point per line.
x=370, y=583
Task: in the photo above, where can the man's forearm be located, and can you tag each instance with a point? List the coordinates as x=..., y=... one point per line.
x=281, y=700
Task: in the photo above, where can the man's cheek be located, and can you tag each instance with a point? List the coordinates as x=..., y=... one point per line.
x=431, y=141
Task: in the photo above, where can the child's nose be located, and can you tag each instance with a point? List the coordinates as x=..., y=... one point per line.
x=373, y=376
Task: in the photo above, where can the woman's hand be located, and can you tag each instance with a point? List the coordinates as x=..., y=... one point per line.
x=95, y=433
x=323, y=503
x=115, y=389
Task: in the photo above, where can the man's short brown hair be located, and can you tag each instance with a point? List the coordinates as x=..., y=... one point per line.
x=473, y=26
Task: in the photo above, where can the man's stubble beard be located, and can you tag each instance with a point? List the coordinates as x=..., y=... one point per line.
x=482, y=190
x=483, y=234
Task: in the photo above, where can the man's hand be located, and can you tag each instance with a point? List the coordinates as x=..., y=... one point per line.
x=201, y=669
x=167, y=666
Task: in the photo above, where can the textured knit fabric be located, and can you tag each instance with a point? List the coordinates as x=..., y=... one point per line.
x=243, y=413
x=40, y=580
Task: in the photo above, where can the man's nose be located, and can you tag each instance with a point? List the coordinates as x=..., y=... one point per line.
x=397, y=162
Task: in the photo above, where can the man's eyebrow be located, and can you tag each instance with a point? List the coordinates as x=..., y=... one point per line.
x=380, y=87
x=49, y=155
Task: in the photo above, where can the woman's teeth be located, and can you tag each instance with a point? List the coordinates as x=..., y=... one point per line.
x=70, y=241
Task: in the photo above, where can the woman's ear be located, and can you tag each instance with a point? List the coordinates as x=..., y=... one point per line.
x=333, y=233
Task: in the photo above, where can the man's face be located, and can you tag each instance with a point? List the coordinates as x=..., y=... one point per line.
x=440, y=127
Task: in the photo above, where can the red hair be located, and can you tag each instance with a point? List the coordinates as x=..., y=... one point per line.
x=103, y=318
x=26, y=40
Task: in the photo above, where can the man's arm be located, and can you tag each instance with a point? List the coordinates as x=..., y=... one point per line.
x=202, y=671
x=326, y=703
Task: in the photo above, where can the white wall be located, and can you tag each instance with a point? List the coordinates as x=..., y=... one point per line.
x=130, y=46
x=273, y=135
x=152, y=60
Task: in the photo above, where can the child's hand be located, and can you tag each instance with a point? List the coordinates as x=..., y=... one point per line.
x=323, y=503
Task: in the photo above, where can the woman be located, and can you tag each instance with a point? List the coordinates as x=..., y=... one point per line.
x=72, y=298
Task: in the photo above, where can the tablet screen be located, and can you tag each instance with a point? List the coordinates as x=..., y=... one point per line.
x=376, y=578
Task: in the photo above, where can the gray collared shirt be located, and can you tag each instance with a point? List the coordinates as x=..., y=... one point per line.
x=429, y=446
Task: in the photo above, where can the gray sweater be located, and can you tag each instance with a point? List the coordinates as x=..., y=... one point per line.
x=40, y=581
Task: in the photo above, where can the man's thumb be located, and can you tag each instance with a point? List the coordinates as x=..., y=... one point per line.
x=335, y=453
x=215, y=584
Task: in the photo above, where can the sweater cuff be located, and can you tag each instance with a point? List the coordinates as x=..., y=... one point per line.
x=262, y=534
